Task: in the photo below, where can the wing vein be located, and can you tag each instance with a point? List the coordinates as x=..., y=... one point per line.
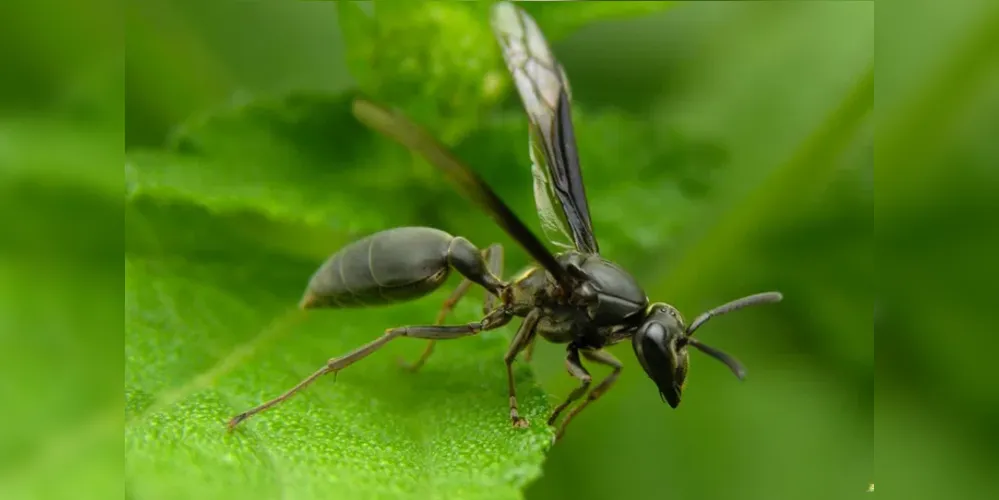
x=544, y=92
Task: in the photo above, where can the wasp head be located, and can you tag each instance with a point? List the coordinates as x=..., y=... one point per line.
x=661, y=344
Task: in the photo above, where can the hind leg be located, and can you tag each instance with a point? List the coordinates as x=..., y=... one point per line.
x=494, y=260
x=529, y=351
x=495, y=319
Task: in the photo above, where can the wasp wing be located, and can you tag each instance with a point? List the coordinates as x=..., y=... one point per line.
x=399, y=128
x=544, y=90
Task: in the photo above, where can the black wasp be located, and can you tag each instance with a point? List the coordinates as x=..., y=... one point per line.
x=576, y=297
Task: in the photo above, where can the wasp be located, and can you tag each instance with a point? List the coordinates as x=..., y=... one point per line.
x=575, y=297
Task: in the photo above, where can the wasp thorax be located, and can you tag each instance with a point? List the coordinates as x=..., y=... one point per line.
x=613, y=296
x=586, y=294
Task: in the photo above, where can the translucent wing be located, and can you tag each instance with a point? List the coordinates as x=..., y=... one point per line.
x=544, y=90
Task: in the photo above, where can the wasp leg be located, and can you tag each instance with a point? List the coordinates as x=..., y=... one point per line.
x=524, y=336
x=576, y=370
x=494, y=259
x=529, y=351
x=494, y=319
x=445, y=309
x=604, y=358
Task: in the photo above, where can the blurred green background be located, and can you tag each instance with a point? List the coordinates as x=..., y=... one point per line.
x=61, y=306
x=728, y=148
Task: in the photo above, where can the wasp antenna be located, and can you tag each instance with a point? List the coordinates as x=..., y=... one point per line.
x=750, y=300
x=732, y=363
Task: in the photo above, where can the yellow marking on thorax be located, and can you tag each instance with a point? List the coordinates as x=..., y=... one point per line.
x=524, y=275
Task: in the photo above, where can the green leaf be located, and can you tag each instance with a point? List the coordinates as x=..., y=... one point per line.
x=223, y=232
x=278, y=157
x=207, y=339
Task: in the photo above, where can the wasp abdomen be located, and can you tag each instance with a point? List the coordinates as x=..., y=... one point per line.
x=386, y=267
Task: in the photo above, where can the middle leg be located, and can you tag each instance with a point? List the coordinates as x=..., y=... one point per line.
x=524, y=335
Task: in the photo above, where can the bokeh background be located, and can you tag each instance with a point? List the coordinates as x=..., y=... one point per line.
x=728, y=148
x=61, y=304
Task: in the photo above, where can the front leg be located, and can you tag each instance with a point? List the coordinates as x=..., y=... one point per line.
x=576, y=370
x=604, y=358
x=523, y=337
